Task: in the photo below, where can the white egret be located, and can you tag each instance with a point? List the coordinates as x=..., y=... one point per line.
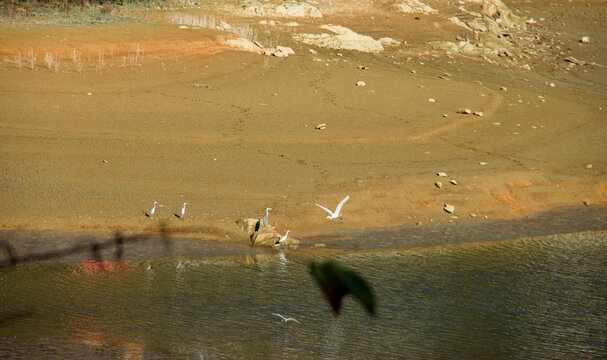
x=337, y=213
x=182, y=211
x=153, y=209
x=286, y=319
x=265, y=218
x=283, y=239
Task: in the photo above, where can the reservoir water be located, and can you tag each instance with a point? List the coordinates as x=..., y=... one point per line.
x=543, y=297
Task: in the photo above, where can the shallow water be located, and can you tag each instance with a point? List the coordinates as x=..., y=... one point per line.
x=534, y=298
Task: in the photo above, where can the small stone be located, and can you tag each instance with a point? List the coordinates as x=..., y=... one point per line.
x=464, y=111
x=432, y=100
x=258, y=44
x=362, y=67
x=550, y=85
x=321, y=126
x=449, y=208
x=361, y=83
x=312, y=51
x=104, y=161
x=452, y=181
x=419, y=223
x=482, y=163
x=413, y=71
x=585, y=40
x=503, y=88
x=445, y=115
x=586, y=202
x=589, y=166
x=441, y=174
x=472, y=215
x=438, y=184
x=478, y=113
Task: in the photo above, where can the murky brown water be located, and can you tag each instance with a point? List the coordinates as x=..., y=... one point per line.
x=534, y=298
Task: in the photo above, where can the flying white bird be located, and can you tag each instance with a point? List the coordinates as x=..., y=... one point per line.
x=283, y=238
x=265, y=218
x=153, y=209
x=337, y=213
x=286, y=319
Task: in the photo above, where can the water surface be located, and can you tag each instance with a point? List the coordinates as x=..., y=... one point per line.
x=534, y=298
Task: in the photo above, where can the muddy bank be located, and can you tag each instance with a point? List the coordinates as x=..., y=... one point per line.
x=156, y=112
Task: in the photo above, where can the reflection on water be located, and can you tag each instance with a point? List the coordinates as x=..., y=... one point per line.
x=544, y=298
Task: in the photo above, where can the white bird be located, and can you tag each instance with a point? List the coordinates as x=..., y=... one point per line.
x=283, y=238
x=286, y=319
x=153, y=209
x=183, y=209
x=265, y=218
x=337, y=213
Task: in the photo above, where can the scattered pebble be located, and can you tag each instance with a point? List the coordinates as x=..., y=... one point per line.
x=201, y=85
x=464, y=111
x=585, y=40
x=452, y=181
x=312, y=51
x=449, y=208
x=419, y=223
x=321, y=126
x=478, y=113
x=362, y=67
x=432, y=100
x=472, y=215
x=586, y=202
x=589, y=166
x=550, y=84
x=104, y=161
x=361, y=83
x=503, y=88
x=438, y=184
x=441, y=174
x=89, y=94
x=413, y=71
x=482, y=163
x=445, y=115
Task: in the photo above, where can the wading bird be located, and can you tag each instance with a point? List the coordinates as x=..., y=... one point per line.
x=153, y=209
x=265, y=218
x=337, y=213
x=286, y=319
x=182, y=211
x=283, y=238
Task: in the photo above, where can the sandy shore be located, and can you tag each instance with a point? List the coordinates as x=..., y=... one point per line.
x=152, y=112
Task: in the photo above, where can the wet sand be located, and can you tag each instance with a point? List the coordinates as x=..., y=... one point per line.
x=187, y=119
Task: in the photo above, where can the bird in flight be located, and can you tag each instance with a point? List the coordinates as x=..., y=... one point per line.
x=283, y=238
x=265, y=218
x=337, y=213
x=286, y=319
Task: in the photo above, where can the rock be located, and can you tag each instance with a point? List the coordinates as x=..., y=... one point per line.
x=478, y=113
x=449, y=208
x=243, y=44
x=341, y=38
x=388, y=41
x=247, y=225
x=432, y=100
x=472, y=215
x=589, y=166
x=414, y=7
x=258, y=44
x=298, y=10
x=361, y=83
x=361, y=67
x=482, y=163
x=438, y=184
x=441, y=174
x=585, y=40
x=265, y=237
x=464, y=111
x=503, y=88
x=452, y=181
x=320, y=126
x=312, y=51
x=586, y=203
x=279, y=51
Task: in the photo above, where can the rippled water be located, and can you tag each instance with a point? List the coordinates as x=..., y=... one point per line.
x=533, y=298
